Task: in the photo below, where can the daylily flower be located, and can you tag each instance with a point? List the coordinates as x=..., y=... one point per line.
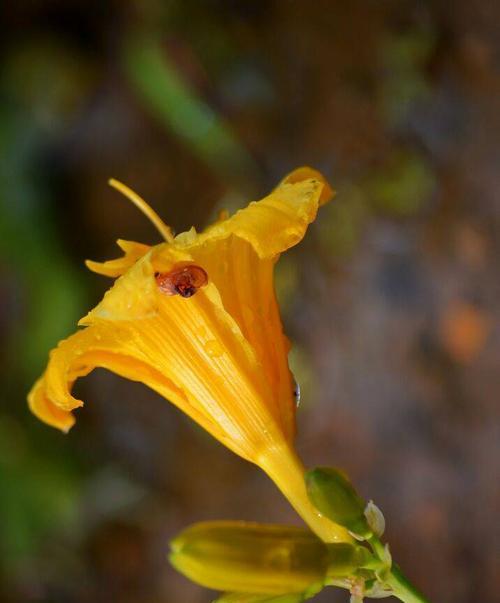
x=196, y=319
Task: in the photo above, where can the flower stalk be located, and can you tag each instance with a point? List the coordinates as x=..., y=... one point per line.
x=393, y=578
x=333, y=494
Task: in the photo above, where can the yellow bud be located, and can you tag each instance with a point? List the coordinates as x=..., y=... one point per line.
x=249, y=557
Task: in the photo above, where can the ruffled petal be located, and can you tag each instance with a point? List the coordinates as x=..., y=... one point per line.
x=308, y=173
x=108, y=346
x=272, y=225
x=113, y=268
x=44, y=409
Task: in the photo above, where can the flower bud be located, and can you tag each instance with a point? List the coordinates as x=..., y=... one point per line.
x=249, y=557
x=334, y=496
x=253, y=558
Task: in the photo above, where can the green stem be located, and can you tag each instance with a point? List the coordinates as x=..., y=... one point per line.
x=395, y=578
x=402, y=588
x=377, y=547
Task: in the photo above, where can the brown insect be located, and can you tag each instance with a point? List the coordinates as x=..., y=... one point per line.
x=184, y=280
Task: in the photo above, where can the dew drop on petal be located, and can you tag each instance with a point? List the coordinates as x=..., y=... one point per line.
x=296, y=392
x=213, y=348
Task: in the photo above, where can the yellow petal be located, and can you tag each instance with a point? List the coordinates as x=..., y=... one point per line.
x=271, y=225
x=245, y=284
x=306, y=173
x=132, y=296
x=113, y=268
x=239, y=254
x=106, y=345
x=48, y=412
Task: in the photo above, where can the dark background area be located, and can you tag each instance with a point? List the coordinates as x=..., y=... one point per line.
x=392, y=301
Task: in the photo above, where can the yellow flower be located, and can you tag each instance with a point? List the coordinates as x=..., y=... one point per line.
x=196, y=319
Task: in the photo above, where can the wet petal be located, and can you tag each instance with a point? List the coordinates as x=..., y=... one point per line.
x=306, y=173
x=271, y=225
x=107, y=346
x=48, y=412
x=245, y=284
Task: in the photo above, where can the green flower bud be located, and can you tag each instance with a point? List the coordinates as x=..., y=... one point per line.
x=250, y=558
x=334, y=496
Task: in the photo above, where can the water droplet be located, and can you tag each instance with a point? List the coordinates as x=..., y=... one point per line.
x=296, y=392
x=213, y=348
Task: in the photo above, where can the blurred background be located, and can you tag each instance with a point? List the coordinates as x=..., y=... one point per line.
x=392, y=300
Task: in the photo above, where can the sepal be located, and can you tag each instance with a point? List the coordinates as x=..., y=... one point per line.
x=334, y=496
x=375, y=518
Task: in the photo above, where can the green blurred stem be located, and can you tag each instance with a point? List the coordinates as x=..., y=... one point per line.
x=181, y=110
x=395, y=578
x=403, y=589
